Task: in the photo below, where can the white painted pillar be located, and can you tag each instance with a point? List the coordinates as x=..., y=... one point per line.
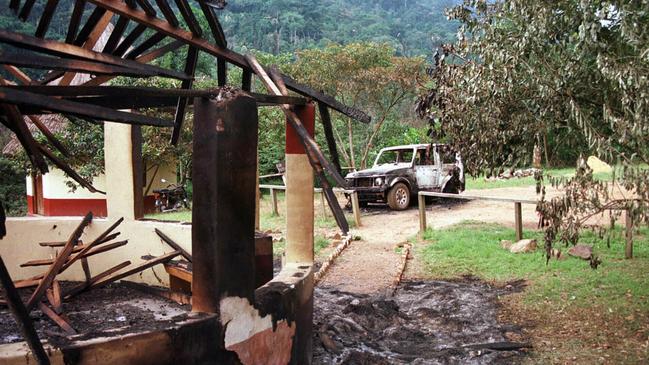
x=123, y=170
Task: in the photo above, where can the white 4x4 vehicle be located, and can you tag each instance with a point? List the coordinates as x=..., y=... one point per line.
x=400, y=172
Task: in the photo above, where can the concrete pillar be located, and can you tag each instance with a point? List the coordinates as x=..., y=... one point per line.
x=223, y=229
x=123, y=170
x=299, y=192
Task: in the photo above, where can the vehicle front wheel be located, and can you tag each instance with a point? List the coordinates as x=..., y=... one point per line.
x=399, y=197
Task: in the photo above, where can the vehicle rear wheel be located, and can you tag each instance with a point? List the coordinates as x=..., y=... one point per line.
x=452, y=187
x=399, y=197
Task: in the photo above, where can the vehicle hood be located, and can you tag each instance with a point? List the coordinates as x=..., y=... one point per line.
x=381, y=170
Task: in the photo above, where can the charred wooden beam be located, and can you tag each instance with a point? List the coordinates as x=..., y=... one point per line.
x=148, y=9
x=97, y=241
x=18, y=74
x=145, y=46
x=69, y=65
x=17, y=124
x=213, y=22
x=65, y=326
x=21, y=315
x=58, y=263
x=329, y=135
x=116, y=34
x=130, y=39
x=190, y=69
x=81, y=255
x=168, y=13
x=66, y=50
x=49, y=135
x=87, y=284
x=134, y=270
x=75, y=20
x=174, y=245
x=92, y=22
x=231, y=57
x=14, y=5
x=26, y=98
x=246, y=80
x=222, y=71
x=68, y=170
x=46, y=18
x=26, y=10
x=190, y=19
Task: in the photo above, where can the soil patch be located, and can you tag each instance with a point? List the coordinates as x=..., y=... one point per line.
x=426, y=322
x=109, y=311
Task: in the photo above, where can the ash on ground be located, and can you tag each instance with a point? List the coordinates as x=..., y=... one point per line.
x=426, y=322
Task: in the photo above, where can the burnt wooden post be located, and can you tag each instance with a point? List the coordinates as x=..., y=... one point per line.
x=518, y=220
x=628, y=251
x=223, y=229
x=299, y=191
x=22, y=316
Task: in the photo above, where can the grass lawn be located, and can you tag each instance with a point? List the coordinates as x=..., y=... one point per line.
x=571, y=311
x=480, y=182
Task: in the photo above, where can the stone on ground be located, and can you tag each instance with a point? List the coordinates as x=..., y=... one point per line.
x=523, y=246
x=581, y=251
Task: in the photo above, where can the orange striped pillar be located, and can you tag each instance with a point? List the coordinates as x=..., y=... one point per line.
x=299, y=191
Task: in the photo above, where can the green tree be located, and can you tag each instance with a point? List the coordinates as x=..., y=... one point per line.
x=570, y=71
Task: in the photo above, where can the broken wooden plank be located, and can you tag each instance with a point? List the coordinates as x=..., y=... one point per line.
x=65, y=326
x=136, y=269
x=17, y=124
x=75, y=20
x=86, y=284
x=56, y=48
x=190, y=69
x=58, y=263
x=95, y=242
x=68, y=170
x=174, y=245
x=179, y=272
x=25, y=98
x=46, y=18
x=54, y=297
x=21, y=315
x=80, y=255
x=49, y=135
x=22, y=77
x=325, y=117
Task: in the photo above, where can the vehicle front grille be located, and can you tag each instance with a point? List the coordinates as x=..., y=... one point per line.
x=364, y=182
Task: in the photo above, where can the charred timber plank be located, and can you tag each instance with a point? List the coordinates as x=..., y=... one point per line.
x=277, y=87
x=82, y=255
x=92, y=22
x=14, y=5
x=129, y=40
x=246, y=80
x=46, y=18
x=68, y=170
x=168, y=13
x=329, y=135
x=181, y=105
x=17, y=124
x=75, y=20
x=136, y=269
x=232, y=57
x=222, y=71
x=65, y=326
x=174, y=245
x=116, y=34
x=54, y=297
x=66, y=50
x=148, y=9
x=21, y=315
x=26, y=98
x=69, y=65
x=49, y=135
x=190, y=19
x=97, y=241
x=85, y=285
x=51, y=273
x=18, y=74
x=26, y=10
x=215, y=25
x=146, y=45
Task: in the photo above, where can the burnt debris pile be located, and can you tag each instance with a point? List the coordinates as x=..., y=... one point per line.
x=426, y=322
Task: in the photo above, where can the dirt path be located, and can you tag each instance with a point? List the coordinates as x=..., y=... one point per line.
x=370, y=265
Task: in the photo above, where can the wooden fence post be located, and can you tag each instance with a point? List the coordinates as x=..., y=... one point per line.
x=628, y=252
x=356, y=209
x=421, y=201
x=273, y=198
x=518, y=220
x=322, y=201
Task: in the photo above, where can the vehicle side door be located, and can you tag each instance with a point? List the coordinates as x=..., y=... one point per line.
x=426, y=171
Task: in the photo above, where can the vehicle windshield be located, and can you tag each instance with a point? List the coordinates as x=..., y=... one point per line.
x=395, y=157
